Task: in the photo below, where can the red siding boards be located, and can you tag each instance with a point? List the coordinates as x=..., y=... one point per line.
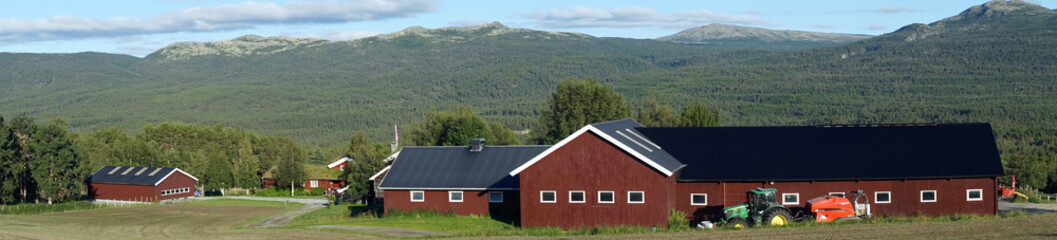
x=590, y=164
x=473, y=202
x=905, y=195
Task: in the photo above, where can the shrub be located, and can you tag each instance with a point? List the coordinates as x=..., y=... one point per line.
x=677, y=220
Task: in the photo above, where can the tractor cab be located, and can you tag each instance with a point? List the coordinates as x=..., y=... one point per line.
x=762, y=208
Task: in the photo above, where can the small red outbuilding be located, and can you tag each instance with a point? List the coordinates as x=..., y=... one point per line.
x=140, y=184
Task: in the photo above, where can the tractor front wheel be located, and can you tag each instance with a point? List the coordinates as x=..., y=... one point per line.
x=777, y=217
x=738, y=223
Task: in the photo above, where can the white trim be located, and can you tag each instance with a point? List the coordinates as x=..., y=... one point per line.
x=380, y=172
x=639, y=192
x=840, y=194
x=791, y=203
x=501, y=196
x=698, y=194
x=970, y=199
x=170, y=174
x=610, y=139
x=392, y=157
x=935, y=196
x=549, y=191
x=613, y=196
x=583, y=196
x=461, y=196
x=442, y=188
x=342, y=190
x=412, y=196
x=313, y=183
x=885, y=192
x=339, y=161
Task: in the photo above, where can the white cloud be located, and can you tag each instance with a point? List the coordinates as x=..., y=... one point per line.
x=214, y=18
x=629, y=17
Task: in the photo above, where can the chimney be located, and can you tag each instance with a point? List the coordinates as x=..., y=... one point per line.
x=476, y=144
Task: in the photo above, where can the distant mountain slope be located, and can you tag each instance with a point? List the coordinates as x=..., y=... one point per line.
x=995, y=62
x=759, y=38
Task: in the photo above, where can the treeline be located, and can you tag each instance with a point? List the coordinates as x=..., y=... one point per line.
x=39, y=162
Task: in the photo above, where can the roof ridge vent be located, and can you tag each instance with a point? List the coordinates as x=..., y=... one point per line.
x=477, y=145
x=129, y=170
x=154, y=172
x=633, y=140
x=113, y=170
x=643, y=139
x=141, y=171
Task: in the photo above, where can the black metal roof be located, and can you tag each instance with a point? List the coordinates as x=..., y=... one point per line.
x=831, y=152
x=625, y=131
x=456, y=168
x=133, y=175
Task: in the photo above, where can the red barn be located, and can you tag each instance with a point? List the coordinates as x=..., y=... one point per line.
x=460, y=179
x=621, y=173
x=140, y=184
x=341, y=164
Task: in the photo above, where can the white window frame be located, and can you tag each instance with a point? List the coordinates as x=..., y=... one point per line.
x=839, y=194
x=583, y=195
x=791, y=203
x=935, y=197
x=341, y=167
x=412, y=197
x=970, y=199
x=452, y=193
x=698, y=194
x=612, y=194
x=639, y=192
x=494, y=192
x=314, y=183
x=880, y=192
x=549, y=191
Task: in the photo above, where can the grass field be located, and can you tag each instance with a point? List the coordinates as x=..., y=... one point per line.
x=228, y=218
x=214, y=219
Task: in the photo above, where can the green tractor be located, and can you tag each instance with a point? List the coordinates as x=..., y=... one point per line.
x=762, y=209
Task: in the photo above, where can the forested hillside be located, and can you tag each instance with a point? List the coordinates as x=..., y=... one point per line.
x=994, y=63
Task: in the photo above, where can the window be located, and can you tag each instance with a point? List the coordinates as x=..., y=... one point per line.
x=495, y=197
x=698, y=199
x=839, y=194
x=928, y=195
x=342, y=167
x=974, y=195
x=790, y=198
x=548, y=197
x=314, y=183
x=605, y=196
x=636, y=197
x=882, y=197
x=576, y=197
x=454, y=196
x=418, y=196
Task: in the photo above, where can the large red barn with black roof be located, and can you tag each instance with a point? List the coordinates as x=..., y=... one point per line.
x=140, y=184
x=621, y=173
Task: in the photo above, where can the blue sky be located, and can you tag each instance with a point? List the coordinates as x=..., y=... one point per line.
x=138, y=27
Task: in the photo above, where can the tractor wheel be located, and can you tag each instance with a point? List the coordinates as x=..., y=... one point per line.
x=776, y=217
x=738, y=223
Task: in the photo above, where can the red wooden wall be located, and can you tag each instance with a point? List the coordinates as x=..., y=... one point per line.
x=591, y=164
x=905, y=195
x=473, y=202
x=176, y=180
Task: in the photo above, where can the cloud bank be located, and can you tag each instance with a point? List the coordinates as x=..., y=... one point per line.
x=215, y=18
x=631, y=17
